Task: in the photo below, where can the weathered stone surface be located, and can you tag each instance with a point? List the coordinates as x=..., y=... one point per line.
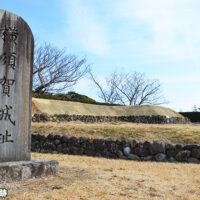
x=90, y=152
x=105, y=153
x=112, y=155
x=146, y=158
x=196, y=153
x=169, y=146
x=82, y=139
x=134, y=143
x=178, y=147
x=50, y=137
x=73, y=140
x=172, y=159
x=160, y=157
x=99, y=144
x=80, y=151
x=157, y=147
x=193, y=160
x=120, y=154
x=58, y=137
x=57, y=142
x=111, y=148
x=59, y=148
x=91, y=119
x=17, y=171
x=133, y=157
x=190, y=147
x=171, y=153
x=147, y=144
x=16, y=60
x=127, y=151
x=183, y=155
x=65, y=138
x=140, y=151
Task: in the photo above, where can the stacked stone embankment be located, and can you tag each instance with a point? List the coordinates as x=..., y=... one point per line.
x=116, y=148
x=155, y=119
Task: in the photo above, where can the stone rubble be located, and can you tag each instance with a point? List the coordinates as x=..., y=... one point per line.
x=116, y=148
x=155, y=119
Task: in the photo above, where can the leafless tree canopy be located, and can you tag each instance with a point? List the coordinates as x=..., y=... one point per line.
x=54, y=70
x=108, y=94
x=130, y=89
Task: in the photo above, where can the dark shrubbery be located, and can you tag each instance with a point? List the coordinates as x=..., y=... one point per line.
x=79, y=97
x=193, y=116
x=70, y=96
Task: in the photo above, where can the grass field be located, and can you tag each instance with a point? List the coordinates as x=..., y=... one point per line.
x=88, y=178
x=175, y=133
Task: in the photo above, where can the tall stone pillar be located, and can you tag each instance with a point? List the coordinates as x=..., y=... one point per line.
x=16, y=63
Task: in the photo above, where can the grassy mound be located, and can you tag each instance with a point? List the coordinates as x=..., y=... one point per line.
x=76, y=108
x=70, y=96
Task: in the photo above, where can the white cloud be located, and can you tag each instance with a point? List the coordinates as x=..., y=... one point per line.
x=174, y=24
x=175, y=79
x=147, y=33
x=84, y=27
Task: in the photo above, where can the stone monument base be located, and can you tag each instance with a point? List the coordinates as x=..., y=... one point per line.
x=22, y=170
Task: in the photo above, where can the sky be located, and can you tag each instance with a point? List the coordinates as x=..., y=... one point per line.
x=158, y=38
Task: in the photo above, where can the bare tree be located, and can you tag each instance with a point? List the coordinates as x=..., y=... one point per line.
x=136, y=89
x=132, y=89
x=107, y=92
x=54, y=70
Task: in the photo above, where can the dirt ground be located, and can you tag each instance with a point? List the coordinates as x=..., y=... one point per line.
x=88, y=178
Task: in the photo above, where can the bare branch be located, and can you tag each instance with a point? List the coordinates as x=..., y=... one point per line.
x=106, y=92
x=131, y=89
x=54, y=70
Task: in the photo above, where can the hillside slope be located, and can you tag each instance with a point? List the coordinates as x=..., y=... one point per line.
x=76, y=108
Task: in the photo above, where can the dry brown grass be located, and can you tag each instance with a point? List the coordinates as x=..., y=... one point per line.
x=174, y=133
x=85, y=178
x=76, y=108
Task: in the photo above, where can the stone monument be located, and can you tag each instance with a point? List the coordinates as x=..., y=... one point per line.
x=16, y=64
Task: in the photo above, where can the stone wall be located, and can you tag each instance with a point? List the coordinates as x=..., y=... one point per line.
x=156, y=119
x=116, y=148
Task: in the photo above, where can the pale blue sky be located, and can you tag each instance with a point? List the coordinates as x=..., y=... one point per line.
x=158, y=38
